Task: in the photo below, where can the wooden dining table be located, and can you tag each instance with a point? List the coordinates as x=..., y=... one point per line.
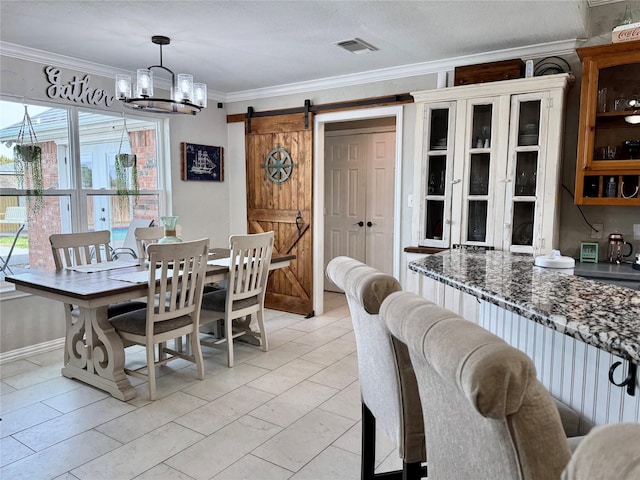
x=94, y=352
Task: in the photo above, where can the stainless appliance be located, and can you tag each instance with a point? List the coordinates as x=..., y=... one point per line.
x=615, y=248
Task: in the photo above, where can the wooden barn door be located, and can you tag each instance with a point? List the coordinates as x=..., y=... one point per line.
x=284, y=205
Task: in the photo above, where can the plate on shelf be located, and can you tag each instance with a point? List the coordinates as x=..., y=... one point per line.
x=529, y=139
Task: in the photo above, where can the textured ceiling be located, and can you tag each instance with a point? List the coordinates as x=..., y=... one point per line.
x=236, y=46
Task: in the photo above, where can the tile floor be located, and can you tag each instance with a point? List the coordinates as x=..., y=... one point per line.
x=290, y=413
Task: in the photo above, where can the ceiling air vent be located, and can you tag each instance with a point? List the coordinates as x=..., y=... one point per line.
x=357, y=46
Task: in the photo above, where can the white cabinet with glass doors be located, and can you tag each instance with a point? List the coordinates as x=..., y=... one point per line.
x=488, y=173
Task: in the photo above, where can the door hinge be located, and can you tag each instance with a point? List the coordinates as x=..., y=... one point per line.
x=549, y=102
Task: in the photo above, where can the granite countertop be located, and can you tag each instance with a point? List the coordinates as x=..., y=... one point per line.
x=600, y=314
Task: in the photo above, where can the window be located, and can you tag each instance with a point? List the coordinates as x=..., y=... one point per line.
x=79, y=173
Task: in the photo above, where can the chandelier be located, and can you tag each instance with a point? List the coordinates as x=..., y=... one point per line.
x=186, y=96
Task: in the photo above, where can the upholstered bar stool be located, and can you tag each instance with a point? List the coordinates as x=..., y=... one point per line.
x=486, y=415
x=607, y=452
x=388, y=385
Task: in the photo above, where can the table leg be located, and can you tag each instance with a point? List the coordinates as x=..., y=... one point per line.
x=250, y=336
x=101, y=362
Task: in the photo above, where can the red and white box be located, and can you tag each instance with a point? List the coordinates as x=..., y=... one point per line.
x=626, y=33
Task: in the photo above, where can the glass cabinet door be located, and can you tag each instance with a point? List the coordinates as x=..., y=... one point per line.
x=524, y=171
x=439, y=151
x=479, y=166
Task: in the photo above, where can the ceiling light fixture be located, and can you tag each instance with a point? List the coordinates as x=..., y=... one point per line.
x=186, y=96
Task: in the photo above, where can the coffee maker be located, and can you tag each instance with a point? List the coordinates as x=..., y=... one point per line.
x=615, y=248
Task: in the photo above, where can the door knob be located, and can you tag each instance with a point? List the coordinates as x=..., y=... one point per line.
x=360, y=223
x=370, y=224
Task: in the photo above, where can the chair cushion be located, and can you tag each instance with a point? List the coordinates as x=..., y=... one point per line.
x=135, y=322
x=216, y=301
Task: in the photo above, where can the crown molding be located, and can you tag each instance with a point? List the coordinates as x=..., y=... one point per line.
x=565, y=47
x=558, y=48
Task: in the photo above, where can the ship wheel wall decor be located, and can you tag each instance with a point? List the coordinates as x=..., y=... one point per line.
x=278, y=165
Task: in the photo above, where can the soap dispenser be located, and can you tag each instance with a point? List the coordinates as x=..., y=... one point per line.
x=612, y=188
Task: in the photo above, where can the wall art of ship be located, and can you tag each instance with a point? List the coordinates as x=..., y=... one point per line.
x=202, y=164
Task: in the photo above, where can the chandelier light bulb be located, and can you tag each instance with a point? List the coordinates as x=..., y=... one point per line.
x=123, y=86
x=200, y=94
x=185, y=87
x=145, y=83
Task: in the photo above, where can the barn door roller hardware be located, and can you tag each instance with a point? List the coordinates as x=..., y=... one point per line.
x=251, y=113
x=308, y=108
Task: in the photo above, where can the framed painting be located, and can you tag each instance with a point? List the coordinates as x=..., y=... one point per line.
x=201, y=162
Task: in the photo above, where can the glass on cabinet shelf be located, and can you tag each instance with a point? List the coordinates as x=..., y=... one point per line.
x=529, y=123
x=477, y=221
x=481, y=130
x=526, y=173
x=434, y=219
x=523, y=219
x=436, y=174
x=439, y=128
x=479, y=174
x=595, y=187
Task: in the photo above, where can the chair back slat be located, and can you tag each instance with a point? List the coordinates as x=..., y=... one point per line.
x=176, y=279
x=74, y=249
x=249, y=265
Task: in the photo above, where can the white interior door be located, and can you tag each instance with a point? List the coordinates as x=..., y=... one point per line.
x=379, y=205
x=359, y=193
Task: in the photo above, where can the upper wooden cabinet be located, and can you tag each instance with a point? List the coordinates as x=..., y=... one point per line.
x=487, y=165
x=610, y=78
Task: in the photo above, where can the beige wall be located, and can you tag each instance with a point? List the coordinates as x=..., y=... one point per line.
x=214, y=210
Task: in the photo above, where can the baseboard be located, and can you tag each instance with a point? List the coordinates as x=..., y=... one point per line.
x=24, y=352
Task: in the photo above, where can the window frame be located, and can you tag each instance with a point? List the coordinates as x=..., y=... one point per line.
x=78, y=196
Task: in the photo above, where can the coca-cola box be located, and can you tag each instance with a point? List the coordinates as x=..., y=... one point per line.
x=626, y=33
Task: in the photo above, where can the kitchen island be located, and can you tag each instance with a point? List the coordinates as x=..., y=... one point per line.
x=583, y=335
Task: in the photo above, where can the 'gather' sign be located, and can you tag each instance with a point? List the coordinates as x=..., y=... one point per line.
x=77, y=90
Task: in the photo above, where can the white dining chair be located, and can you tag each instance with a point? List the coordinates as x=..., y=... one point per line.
x=250, y=257
x=74, y=249
x=145, y=236
x=128, y=247
x=176, y=272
